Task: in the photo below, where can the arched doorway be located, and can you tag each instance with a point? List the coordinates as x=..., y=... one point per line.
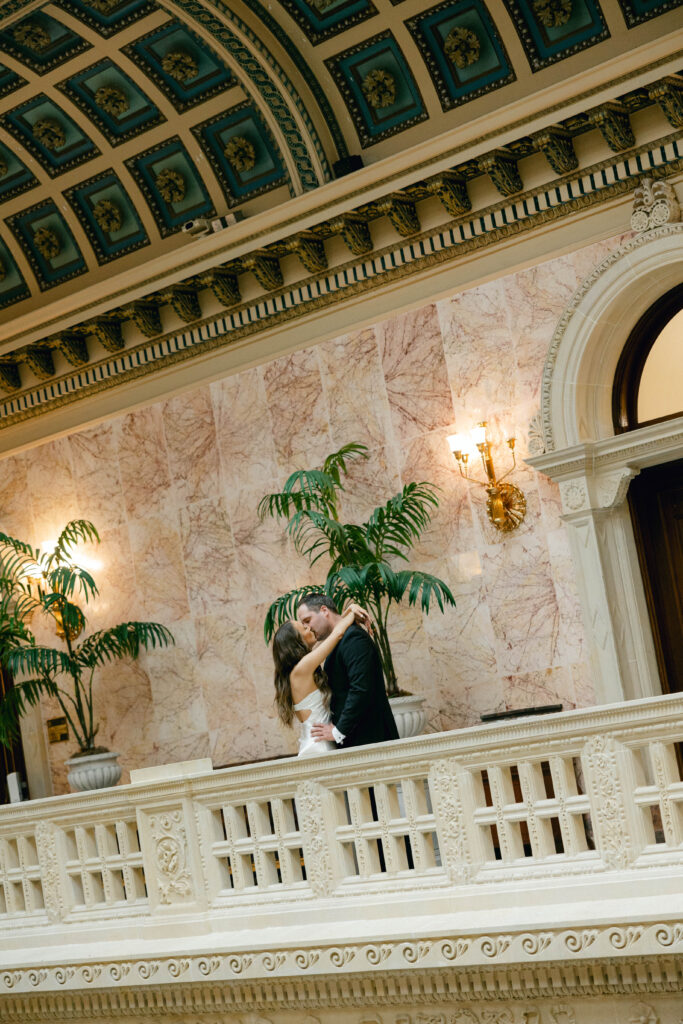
x=648, y=388
x=595, y=459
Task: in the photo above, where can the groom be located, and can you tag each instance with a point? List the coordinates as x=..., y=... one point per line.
x=360, y=706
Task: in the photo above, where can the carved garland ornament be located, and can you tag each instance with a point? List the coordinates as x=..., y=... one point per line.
x=379, y=88
x=240, y=154
x=462, y=46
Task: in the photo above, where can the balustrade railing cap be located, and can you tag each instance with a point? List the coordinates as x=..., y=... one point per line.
x=178, y=770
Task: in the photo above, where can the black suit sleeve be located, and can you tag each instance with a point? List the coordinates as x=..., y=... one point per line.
x=360, y=660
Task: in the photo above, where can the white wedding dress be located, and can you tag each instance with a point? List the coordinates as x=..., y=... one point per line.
x=308, y=747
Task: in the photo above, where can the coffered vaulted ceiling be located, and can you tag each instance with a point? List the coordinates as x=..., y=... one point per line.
x=121, y=120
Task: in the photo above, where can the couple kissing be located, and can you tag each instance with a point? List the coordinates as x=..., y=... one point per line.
x=328, y=677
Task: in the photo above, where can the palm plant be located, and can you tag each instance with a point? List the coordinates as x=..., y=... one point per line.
x=33, y=581
x=361, y=554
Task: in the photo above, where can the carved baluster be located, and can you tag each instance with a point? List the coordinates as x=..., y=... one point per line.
x=533, y=792
x=611, y=778
x=665, y=768
x=317, y=818
x=571, y=824
x=460, y=841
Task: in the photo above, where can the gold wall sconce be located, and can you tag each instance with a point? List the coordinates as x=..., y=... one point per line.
x=506, y=505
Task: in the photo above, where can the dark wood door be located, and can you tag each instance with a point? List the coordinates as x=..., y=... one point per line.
x=656, y=500
x=11, y=758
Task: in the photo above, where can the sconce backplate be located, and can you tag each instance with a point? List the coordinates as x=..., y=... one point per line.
x=514, y=504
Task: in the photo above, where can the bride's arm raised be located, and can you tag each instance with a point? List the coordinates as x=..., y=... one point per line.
x=311, y=661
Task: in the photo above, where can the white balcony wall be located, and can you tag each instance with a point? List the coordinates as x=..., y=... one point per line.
x=536, y=860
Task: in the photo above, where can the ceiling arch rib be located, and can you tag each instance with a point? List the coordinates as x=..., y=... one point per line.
x=266, y=83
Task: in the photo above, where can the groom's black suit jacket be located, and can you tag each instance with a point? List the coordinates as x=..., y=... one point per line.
x=360, y=706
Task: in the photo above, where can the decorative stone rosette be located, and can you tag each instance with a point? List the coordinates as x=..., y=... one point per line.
x=180, y=65
x=47, y=243
x=552, y=13
x=49, y=133
x=31, y=35
x=462, y=46
x=240, y=153
x=108, y=215
x=171, y=185
x=379, y=88
x=112, y=100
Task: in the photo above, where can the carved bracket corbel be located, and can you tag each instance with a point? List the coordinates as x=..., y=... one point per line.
x=501, y=168
x=615, y=125
x=185, y=302
x=224, y=286
x=74, y=348
x=39, y=359
x=10, y=378
x=668, y=93
x=451, y=191
x=311, y=251
x=147, y=318
x=108, y=333
x=355, y=233
x=558, y=149
x=265, y=268
x=402, y=213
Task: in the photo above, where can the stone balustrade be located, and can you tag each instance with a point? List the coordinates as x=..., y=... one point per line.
x=522, y=860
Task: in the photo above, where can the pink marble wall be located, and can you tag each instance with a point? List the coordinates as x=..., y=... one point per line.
x=173, y=489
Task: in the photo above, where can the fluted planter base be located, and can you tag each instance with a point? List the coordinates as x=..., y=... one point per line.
x=409, y=715
x=94, y=771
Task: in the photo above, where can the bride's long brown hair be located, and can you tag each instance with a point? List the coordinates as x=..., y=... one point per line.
x=288, y=650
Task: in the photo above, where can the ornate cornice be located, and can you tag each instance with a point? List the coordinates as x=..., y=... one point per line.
x=415, y=252
x=354, y=975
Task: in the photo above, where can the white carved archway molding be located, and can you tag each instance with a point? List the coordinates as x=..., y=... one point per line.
x=576, y=445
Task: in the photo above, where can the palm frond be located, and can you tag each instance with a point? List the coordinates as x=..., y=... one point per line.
x=285, y=607
x=65, y=579
x=397, y=525
x=335, y=464
x=68, y=615
x=424, y=586
x=45, y=662
x=75, y=531
x=17, y=700
x=19, y=546
x=124, y=640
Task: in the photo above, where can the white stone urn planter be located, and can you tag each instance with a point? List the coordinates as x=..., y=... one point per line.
x=94, y=771
x=409, y=715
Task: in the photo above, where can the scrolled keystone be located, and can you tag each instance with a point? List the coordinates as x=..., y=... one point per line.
x=501, y=168
x=402, y=214
x=615, y=125
x=266, y=269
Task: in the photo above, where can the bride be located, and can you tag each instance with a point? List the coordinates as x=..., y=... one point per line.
x=301, y=687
